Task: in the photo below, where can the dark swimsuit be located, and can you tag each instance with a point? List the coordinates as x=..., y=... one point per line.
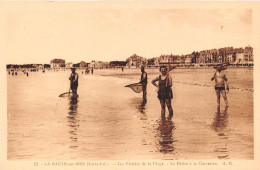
x=144, y=81
x=164, y=92
x=219, y=88
x=73, y=85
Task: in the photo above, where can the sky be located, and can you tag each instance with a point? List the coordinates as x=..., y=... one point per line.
x=38, y=35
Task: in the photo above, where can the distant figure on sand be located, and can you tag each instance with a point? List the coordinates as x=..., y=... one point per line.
x=122, y=68
x=144, y=82
x=220, y=80
x=74, y=81
x=164, y=90
x=92, y=70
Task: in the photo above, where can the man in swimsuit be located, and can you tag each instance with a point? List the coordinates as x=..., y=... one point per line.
x=220, y=80
x=74, y=81
x=144, y=81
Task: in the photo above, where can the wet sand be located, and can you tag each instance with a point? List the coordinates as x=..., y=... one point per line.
x=108, y=121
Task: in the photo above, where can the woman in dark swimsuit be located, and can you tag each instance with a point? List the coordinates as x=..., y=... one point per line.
x=164, y=90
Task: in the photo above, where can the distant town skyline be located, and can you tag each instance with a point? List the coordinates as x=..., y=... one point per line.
x=40, y=34
x=227, y=55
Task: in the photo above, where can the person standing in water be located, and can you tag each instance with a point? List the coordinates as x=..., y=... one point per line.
x=164, y=90
x=144, y=82
x=74, y=81
x=220, y=80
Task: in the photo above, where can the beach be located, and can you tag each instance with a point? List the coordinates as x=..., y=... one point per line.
x=111, y=122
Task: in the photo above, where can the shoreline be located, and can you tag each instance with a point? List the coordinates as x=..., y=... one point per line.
x=114, y=68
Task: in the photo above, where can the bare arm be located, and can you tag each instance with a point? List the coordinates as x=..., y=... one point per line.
x=226, y=80
x=227, y=85
x=76, y=77
x=170, y=81
x=213, y=77
x=155, y=80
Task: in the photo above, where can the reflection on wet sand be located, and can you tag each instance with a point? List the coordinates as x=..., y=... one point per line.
x=73, y=122
x=164, y=131
x=165, y=134
x=139, y=104
x=219, y=125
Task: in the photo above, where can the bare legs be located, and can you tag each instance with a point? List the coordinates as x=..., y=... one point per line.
x=144, y=92
x=162, y=107
x=169, y=105
x=74, y=91
x=218, y=96
x=223, y=93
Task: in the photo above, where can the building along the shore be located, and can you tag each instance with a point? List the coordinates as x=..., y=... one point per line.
x=117, y=64
x=57, y=63
x=211, y=57
x=69, y=65
x=24, y=66
x=93, y=64
x=169, y=60
x=98, y=64
x=38, y=66
x=82, y=64
x=188, y=60
x=224, y=55
x=47, y=66
x=151, y=62
x=249, y=54
x=136, y=61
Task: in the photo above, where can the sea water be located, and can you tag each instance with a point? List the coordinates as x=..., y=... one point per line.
x=109, y=121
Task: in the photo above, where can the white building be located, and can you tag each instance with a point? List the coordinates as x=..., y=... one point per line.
x=239, y=58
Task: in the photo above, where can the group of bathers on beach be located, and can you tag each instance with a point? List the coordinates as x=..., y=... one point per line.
x=164, y=85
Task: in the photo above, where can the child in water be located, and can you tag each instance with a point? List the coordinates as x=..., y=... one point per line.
x=220, y=80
